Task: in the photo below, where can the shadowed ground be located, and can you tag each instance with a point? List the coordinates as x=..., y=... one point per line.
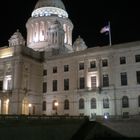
x=55, y=128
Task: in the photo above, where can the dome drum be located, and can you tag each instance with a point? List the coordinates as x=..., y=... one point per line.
x=49, y=11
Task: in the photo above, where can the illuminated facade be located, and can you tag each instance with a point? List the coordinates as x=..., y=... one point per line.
x=50, y=75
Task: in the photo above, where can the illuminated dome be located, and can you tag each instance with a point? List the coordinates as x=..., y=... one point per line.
x=49, y=7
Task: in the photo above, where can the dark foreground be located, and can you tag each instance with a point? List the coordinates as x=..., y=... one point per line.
x=54, y=128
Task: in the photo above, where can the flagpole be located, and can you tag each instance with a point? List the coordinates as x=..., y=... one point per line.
x=110, y=42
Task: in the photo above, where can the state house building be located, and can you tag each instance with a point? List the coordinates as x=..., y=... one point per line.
x=47, y=69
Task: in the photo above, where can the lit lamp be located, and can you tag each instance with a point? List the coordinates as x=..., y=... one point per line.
x=56, y=105
x=29, y=105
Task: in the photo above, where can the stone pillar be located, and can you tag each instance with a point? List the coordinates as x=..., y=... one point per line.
x=99, y=72
x=16, y=99
x=70, y=36
x=17, y=74
x=45, y=31
x=31, y=33
x=86, y=72
x=2, y=107
x=37, y=32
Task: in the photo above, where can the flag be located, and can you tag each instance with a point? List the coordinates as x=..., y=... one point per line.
x=108, y=30
x=105, y=29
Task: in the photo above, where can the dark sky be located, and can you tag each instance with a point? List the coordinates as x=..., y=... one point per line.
x=88, y=17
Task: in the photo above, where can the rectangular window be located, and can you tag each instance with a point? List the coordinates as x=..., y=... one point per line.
x=9, y=84
x=66, y=84
x=44, y=87
x=122, y=60
x=1, y=85
x=54, y=85
x=137, y=58
x=54, y=69
x=44, y=72
x=138, y=77
x=93, y=64
x=104, y=63
x=123, y=78
x=81, y=66
x=82, y=82
x=105, y=103
x=105, y=80
x=44, y=106
x=125, y=114
x=93, y=81
x=66, y=68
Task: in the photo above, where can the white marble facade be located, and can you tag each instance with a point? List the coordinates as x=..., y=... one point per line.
x=48, y=68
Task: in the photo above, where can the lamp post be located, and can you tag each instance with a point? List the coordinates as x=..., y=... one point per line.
x=56, y=105
x=29, y=105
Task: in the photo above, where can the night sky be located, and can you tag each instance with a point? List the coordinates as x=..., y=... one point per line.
x=88, y=17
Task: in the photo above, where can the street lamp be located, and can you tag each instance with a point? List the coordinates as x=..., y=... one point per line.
x=29, y=105
x=56, y=105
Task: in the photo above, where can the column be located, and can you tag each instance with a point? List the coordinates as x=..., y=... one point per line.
x=99, y=72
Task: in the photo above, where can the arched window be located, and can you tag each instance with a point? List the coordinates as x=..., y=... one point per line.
x=139, y=101
x=105, y=103
x=66, y=104
x=81, y=104
x=53, y=105
x=125, y=101
x=93, y=103
x=44, y=106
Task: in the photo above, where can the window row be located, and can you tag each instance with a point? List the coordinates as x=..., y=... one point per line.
x=93, y=80
x=93, y=103
x=104, y=62
x=93, y=64
x=55, y=85
x=54, y=70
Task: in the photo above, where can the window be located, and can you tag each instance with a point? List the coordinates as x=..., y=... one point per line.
x=93, y=81
x=66, y=104
x=82, y=82
x=44, y=87
x=9, y=84
x=123, y=78
x=138, y=77
x=122, y=60
x=53, y=105
x=54, y=69
x=125, y=101
x=54, y=85
x=93, y=103
x=44, y=72
x=105, y=103
x=66, y=84
x=66, y=68
x=93, y=64
x=1, y=85
x=81, y=66
x=139, y=100
x=125, y=114
x=34, y=110
x=81, y=104
x=137, y=58
x=44, y=106
x=104, y=63
x=105, y=80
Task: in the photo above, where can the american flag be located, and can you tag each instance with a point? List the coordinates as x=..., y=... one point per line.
x=105, y=29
